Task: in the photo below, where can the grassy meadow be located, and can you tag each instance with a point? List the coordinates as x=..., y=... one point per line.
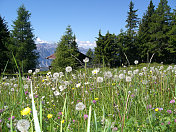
x=136, y=98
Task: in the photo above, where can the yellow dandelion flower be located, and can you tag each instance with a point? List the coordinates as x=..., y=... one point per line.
x=96, y=98
x=73, y=88
x=62, y=121
x=26, y=111
x=43, y=80
x=156, y=109
x=113, y=84
x=49, y=116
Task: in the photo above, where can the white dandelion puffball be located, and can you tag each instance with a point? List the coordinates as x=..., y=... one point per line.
x=62, y=87
x=56, y=75
x=23, y=125
x=108, y=74
x=99, y=79
x=121, y=76
x=80, y=106
x=86, y=60
x=136, y=62
x=128, y=79
x=56, y=93
x=68, y=69
x=37, y=70
x=29, y=71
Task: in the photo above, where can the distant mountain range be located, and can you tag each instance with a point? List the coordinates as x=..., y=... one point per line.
x=46, y=49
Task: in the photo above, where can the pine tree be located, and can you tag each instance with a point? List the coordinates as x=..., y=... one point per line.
x=90, y=54
x=106, y=50
x=99, y=49
x=145, y=46
x=132, y=24
x=23, y=39
x=132, y=20
x=159, y=29
x=172, y=41
x=4, y=40
x=66, y=52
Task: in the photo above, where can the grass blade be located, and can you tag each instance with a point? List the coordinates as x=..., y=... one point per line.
x=36, y=122
x=88, y=122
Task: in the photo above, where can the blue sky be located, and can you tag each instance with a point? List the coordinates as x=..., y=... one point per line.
x=49, y=18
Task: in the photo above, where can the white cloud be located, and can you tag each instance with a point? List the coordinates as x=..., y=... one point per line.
x=86, y=44
x=39, y=41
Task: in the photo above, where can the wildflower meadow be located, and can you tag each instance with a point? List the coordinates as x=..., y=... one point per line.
x=135, y=98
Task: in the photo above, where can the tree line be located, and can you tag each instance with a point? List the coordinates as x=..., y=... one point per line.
x=152, y=38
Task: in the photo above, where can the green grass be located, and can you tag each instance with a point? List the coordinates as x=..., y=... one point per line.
x=111, y=105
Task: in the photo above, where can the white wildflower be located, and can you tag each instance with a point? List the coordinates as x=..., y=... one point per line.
x=68, y=69
x=99, y=79
x=128, y=79
x=56, y=75
x=80, y=106
x=62, y=87
x=37, y=70
x=121, y=76
x=78, y=85
x=95, y=71
x=135, y=71
x=136, y=62
x=53, y=89
x=108, y=74
x=25, y=86
x=56, y=93
x=130, y=72
x=86, y=60
x=12, y=89
x=29, y=71
x=23, y=125
x=49, y=73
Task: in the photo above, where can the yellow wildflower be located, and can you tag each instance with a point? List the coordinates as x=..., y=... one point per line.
x=62, y=121
x=26, y=111
x=96, y=98
x=156, y=109
x=43, y=80
x=113, y=84
x=73, y=88
x=49, y=116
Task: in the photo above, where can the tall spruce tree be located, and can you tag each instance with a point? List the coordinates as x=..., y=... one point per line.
x=159, y=29
x=132, y=21
x=99, y=49
x=172, y=41
x=145, y=46
x=66, y=52
x=132, y=24
x=4, y=39
x=23, y=39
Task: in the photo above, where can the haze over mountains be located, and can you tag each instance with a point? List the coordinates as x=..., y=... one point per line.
x=46, y=49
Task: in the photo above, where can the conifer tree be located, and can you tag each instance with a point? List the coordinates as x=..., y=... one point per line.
x=66, y=52
x=4, y=39
x=23, y=39
x=132, y=24
x=172, y=41
x=106, y=50
x=159, y=29
x=145, y=46
x=132, y=20
x=99, y=49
